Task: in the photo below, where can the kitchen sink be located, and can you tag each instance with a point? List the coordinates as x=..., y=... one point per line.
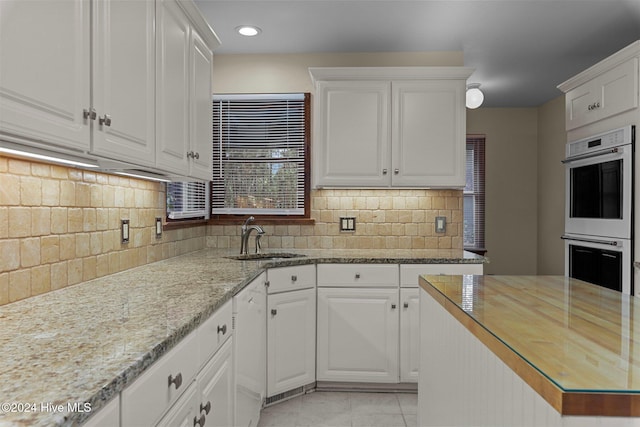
x=265, y=256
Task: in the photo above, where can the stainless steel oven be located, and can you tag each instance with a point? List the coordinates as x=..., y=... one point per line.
x=599, y=209
x=599, y=181
x=604, y=262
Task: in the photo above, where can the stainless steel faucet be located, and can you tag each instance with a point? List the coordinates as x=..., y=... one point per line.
x=246, y=231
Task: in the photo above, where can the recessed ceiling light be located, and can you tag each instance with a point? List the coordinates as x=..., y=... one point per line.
x=248, y=30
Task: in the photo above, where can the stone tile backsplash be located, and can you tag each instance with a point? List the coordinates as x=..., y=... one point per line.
x=385, y=219
x=60, y=226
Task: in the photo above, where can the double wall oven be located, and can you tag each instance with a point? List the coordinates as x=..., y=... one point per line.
x=599, y=209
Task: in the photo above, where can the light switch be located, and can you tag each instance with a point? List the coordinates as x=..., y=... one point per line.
x=125, y=230
x=158, y=227
x=441, y=224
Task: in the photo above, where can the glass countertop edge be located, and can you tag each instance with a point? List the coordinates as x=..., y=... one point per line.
x=525, y=359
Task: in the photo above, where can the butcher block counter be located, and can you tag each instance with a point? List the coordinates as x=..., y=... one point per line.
x=572, y=344
x=66, y=353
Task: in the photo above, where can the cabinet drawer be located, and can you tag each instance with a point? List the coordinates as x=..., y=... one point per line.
x=291, y=278
x=358, y=275
x=214, y=332
x=144, y=401
x=409, y=273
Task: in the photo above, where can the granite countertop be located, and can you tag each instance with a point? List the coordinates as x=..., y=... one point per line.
x=87, y=342
x=574, y=343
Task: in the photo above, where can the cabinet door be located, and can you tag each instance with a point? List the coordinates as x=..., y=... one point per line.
x=358, y=335
x=172, y=89
x=428, y=133
x=610, y=93
x=250, y=356
x=409, y=335
x=44, y=71
x=184, y=413
x=107, y=416
x=352, y=131
x=216, y=389
x=124, y=81
x=291, y=348
x=201, y=110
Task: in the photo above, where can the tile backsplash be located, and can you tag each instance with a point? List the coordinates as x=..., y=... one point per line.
x=60, y=226
x=385, y=219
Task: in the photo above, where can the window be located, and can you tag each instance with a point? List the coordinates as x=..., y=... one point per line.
x=474, y=194
x=187, y=200
x=261, y=155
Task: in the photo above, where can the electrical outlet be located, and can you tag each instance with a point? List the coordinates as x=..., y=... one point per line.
x=348, y=224
x=441, y=224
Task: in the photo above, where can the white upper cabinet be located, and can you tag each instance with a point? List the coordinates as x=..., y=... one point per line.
x=606, y=89
x=124, y=81
x=391, y=126
x=353, y=133
x=184, y=97
x=45, y=72
x=79, y=77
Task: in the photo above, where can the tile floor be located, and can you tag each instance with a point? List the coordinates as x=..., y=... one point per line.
x=343, y=409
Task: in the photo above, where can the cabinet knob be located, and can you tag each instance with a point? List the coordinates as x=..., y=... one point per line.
x=384, y=171
x=294, y=278
x=222, y=329
x=396, y=171
x=196, y=155
x=406, y=305
x=199, y=421
x=393, y=306
x=274, y=311
x=105, y=120
x=206, y=408
x=357, y=275
x=177, y=380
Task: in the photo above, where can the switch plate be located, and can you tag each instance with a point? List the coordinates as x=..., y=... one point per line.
x=441, y=224
x=158, y=227
x=125, y=230
x=348, y=224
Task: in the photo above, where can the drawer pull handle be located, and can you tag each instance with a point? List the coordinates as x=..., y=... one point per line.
x=199, y=421
x=274, y=311
x=406, y=305
x=222, y=329
x=357, y=275
x=393, y=306
x=294, y=278
x=177, y=380
x=206, y=408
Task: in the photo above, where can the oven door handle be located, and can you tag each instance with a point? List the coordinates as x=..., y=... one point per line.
x=590, y=155
x=579, y=239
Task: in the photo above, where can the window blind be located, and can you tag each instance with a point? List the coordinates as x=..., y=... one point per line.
x=187, y=200
x=474, y=193
x=259, y=154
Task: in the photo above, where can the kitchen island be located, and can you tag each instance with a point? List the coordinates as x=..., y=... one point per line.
x=527, y=351
x=66, y=353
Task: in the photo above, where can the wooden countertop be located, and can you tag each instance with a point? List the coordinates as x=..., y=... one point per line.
x=576, y=344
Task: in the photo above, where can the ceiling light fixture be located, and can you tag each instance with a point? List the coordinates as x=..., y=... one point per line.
x=248, y=30
x=474, y=95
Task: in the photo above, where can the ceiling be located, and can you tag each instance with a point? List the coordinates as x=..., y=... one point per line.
x=521, y=49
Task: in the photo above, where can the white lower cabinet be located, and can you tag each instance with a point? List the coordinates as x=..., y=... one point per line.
x=358, y=335
x=174, y=391
x=209, y=399
x=409, y=334
x=291, y=344
x=249, y=308
x=107, y=416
